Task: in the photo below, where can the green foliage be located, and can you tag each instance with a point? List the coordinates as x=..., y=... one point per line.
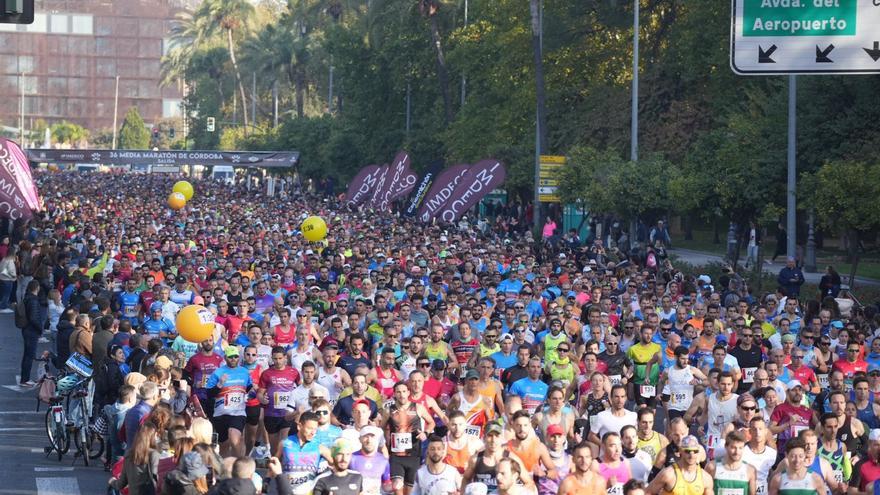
x=712, y=143
x=68, y=133
x=133, y=135
x=844, y=195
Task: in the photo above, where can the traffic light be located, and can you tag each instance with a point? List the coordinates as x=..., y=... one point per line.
x=155, y=133
x=171, y=133
x=16, y=11
x=210, y=124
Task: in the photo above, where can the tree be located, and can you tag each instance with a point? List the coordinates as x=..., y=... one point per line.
x=68, y=132
x=843, y=193
x=134, y=134
x=226, y=17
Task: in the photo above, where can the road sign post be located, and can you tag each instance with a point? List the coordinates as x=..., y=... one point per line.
x=548, y=178
x=805, y=37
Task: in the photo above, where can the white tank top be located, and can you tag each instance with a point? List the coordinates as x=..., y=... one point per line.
x=740, y=475
x=802, y=486
x=720, y=413
x=298, y=358
x=678, y=387
x=762, y=463
x=328, y=380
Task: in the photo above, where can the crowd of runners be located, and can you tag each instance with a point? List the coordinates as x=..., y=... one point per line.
x=402, y=358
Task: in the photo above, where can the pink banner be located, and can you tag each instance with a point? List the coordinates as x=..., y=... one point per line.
x=361, y=185
x=18, y=194
x=479, y=180
x=401, y=181
x=441, y=190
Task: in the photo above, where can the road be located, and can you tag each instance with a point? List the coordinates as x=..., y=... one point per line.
x=701, y=258
x=24, y=468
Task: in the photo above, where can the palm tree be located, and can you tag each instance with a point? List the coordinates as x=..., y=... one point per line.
x=215, y=17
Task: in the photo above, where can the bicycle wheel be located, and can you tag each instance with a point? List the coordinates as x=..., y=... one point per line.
x=57, y=433
x=95, y=444
x=82, y=436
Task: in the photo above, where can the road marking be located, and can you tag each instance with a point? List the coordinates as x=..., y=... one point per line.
x=16, y=388
x=27, y=428
x=52, y=469
x=57, y=486
x=38, y=451
x=21, y=412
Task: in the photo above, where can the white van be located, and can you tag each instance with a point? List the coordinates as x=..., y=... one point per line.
x=224, y=173
x=88, y=167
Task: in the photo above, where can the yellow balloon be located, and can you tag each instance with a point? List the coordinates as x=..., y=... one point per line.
x=195, y=323
x=185, y=188
x=176, y=201
x=314, y=228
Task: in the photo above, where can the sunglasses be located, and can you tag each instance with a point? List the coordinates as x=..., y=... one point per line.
x=322, y=413
x=562, y=349
x=250, y=354
x=753, y=408
x=424, y=365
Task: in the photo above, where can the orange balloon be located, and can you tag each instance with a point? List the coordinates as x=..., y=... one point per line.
x=195, y=323
x=176, y=201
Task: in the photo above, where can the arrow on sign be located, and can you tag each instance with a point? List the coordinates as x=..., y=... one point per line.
x=764, y=56
x=822, y=55
x=875, y=52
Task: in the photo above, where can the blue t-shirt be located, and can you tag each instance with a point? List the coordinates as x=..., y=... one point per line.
x=532, y=392
x=503, y=362
x=128, y=303
x=300, y=463
x=327, y=436
x=232, y=399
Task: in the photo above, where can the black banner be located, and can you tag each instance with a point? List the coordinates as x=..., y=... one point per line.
x=422, y=190
x=260, y=159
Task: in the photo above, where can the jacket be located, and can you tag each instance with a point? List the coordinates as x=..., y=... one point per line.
x=109, y=380
x=140, y=479
x=100, y=343
x=177, y=483
x=33, y=310
x=237, y=486
x=62, y=341
x=81, y=342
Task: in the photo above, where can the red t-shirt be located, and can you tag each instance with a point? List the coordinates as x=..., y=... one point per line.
x=805, y=375
x=869, y=471
x=200, y=367
x=284, y=338
x=441, y=391
x=800, y=417
x=850, y=369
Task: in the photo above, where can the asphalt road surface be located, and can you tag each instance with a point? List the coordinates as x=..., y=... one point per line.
x=24, y=468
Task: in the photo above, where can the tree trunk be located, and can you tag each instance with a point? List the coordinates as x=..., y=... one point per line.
x=231, y=47
x=535, y=9
x=854, y=256
x=442, y=72
x=688, y=221
x=300, y=92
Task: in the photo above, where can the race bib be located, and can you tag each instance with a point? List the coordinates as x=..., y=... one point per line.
x=729, y=491
x=711, y=441
x=617, y=489
x=648, y=391
x=795, y=430
x=401, y=442
x=749, y=375
x=203, y=382
x=823, y=380
x=472, y=430
x=762, y=489
x=838, y=476
x=371, y=486
x=281, y=399
x=679, y=398
x=593, y=421
x=615, y=379
x=386, y=383
x=234, y=399
x=131, y=312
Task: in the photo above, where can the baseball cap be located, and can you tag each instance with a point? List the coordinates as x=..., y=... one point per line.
x=554, y=429
x=230, y=351
x=438, y=364
x=192, y=464
x=794, y=383
x=496, y=429
x=472, y=375
x=371, y=430
x=689, y=442
x=788, y=338
x=361, y=401
x=180, y=279
x=746, y=397
x=344, y=445
x=506, y=336
x=329, y=343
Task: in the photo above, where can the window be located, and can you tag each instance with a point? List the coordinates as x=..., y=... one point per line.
x=29, y=85
x=170, y=108
x=25, y=64
x=82, y=24
x=106, y=67
x=58, y=86
x=58, y=23
x=40, y=24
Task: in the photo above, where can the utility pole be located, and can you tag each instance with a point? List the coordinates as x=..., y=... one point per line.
x=463, y=77
x=791, y=216
x=254, y=100
x=275, y=100
x=408, y=118
x=537, y=14
x=330, y=93
x=116, y=112
x=634, y=116
x=21, y=109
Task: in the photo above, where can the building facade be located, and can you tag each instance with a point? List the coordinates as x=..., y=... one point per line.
x=64, y=66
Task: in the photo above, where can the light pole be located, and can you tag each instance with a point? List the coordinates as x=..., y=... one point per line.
x=537, y=13
x=791, y=217
x=115, y=111
x=21, y=109
x=634, y=124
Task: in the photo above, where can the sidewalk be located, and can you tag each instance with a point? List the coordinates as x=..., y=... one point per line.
x=700, y=258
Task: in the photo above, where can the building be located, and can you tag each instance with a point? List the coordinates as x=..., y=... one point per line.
x=64, y=66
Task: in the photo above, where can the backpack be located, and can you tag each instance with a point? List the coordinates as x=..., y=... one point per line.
x=46, y=392
x=21, y=316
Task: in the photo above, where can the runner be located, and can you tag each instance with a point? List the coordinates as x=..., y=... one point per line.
x=796, y=478
x=685, y=476
x=407, y=425
x=228, y=387
x=435, y=476
x=275, y=393
x=732, y=476
x=372, y=464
